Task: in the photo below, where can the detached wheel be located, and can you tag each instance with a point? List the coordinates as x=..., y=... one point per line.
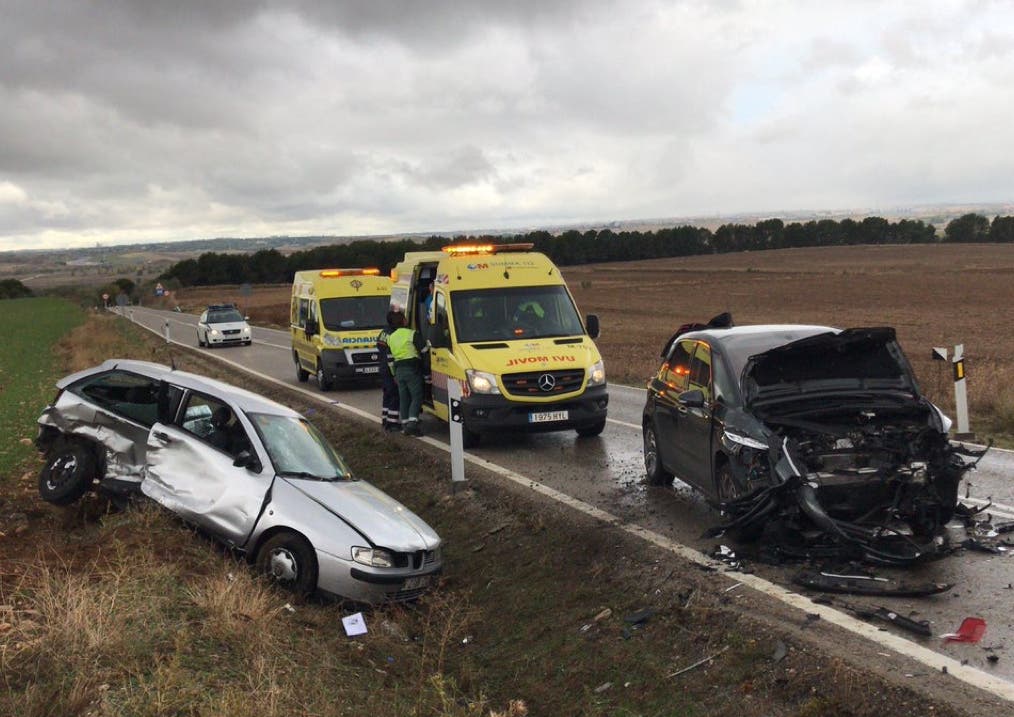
x=655, y=473
x=323, y=382
x=302, y=375
x=68, y=474
x=288, y=560
x=593, y=430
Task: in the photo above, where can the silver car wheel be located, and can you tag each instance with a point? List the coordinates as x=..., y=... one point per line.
x=283, y=566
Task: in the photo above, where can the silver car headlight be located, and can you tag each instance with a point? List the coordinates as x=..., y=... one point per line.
x=374, y=557
x=745, y=441
x=597, y=374
x=481, y=382
x=330, y=340
x=213, y=332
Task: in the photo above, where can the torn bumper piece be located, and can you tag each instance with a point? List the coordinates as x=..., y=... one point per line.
x=902, y=524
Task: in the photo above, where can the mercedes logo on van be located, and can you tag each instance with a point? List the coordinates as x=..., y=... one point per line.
x=547, y=382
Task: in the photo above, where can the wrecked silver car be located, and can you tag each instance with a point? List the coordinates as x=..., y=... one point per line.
x=248, y=471
x=817, y=435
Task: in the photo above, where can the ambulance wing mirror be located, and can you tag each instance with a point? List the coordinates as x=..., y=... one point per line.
x=591, y=323
x=311, y=328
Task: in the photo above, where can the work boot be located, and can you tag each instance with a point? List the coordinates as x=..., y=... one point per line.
x=411, y=428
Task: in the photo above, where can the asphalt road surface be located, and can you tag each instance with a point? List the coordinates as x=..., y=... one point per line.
x=607, y=472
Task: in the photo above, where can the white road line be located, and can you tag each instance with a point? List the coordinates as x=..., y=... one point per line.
x=624, y=423
x=937, y=662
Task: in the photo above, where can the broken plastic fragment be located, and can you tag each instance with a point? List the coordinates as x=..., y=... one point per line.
x=971, y=630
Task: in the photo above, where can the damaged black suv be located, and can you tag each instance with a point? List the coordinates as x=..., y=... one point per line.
x=809, y=431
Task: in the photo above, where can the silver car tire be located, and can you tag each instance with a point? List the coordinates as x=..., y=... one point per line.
x=288, y=560
x=69, y=472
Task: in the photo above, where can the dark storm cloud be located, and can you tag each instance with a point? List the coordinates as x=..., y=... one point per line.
x=176, y=120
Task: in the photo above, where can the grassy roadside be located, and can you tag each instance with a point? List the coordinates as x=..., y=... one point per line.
x=28, y=369
x=131, y=613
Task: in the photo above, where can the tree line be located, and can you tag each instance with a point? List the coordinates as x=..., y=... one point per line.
x=594, y=245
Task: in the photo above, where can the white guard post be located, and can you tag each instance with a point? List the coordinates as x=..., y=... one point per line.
x=454, y=425
x=960, y=390
x=166, y=329
x=960, y=394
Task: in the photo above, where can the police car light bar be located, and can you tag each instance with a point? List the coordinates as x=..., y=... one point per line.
x=454, y=249
x=335, y=273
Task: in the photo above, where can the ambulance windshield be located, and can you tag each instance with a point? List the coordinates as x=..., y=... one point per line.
x=356, y=312
x=526, y=312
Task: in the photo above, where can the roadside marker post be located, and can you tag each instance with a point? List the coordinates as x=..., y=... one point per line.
x=960, y=389
x=166, y=330
x=457, y=440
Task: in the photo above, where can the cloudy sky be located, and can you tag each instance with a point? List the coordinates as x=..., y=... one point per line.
x=143, y=120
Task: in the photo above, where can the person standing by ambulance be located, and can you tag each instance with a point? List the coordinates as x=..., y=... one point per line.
x=407, y=350
x=389, y=406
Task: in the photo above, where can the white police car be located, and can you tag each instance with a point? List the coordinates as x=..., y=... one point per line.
x=222, y=325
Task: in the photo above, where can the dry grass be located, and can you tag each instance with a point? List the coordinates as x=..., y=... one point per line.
x=131, y=613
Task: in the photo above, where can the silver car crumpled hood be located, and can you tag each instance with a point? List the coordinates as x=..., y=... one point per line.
x=381, y=519
x=72, y=416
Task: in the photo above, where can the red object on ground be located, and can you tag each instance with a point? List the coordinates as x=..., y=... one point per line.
x=972, y=629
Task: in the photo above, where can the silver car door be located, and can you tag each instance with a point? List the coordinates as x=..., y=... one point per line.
x=199, y=482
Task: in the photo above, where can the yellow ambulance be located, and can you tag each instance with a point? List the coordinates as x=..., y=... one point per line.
x=336, y=315
x=502, y=323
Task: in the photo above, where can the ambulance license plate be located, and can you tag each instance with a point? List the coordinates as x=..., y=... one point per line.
x=423, y=581
x=368, y=369
x=547, y=417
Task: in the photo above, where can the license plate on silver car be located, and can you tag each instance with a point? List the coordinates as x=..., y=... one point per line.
x=422, y=581
x=547, y=416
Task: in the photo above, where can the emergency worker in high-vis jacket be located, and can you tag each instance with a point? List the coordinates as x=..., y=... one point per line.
x=389, y=406
x=407, y=351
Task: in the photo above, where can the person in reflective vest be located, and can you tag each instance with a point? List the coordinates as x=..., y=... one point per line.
x=407, y=350
x=389, y=405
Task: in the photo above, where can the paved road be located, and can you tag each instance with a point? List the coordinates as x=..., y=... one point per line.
x=606, y=472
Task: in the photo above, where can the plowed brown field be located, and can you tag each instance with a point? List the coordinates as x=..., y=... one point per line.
x=937, y=295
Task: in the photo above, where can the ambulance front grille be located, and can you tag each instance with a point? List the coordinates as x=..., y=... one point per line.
x=543, y=383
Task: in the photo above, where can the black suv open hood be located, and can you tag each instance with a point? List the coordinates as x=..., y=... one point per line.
x=866, y=360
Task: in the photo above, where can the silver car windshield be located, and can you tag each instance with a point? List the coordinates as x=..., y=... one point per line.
x=297, y=449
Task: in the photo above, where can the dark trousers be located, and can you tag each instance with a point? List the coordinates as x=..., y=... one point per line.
x=389, y=404
x=408, y=374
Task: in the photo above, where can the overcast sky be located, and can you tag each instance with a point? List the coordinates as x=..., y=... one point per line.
x=148, y=120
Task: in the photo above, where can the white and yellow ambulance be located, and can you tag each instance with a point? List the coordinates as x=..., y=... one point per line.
x=501, y=322
x=336, y=315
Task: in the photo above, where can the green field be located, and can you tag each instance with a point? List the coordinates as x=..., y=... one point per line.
x=29, y=367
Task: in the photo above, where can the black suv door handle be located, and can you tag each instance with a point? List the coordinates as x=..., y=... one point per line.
x=164, y=437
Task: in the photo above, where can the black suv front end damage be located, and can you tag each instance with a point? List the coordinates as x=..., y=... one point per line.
x=874, y=480
x=837, y=448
